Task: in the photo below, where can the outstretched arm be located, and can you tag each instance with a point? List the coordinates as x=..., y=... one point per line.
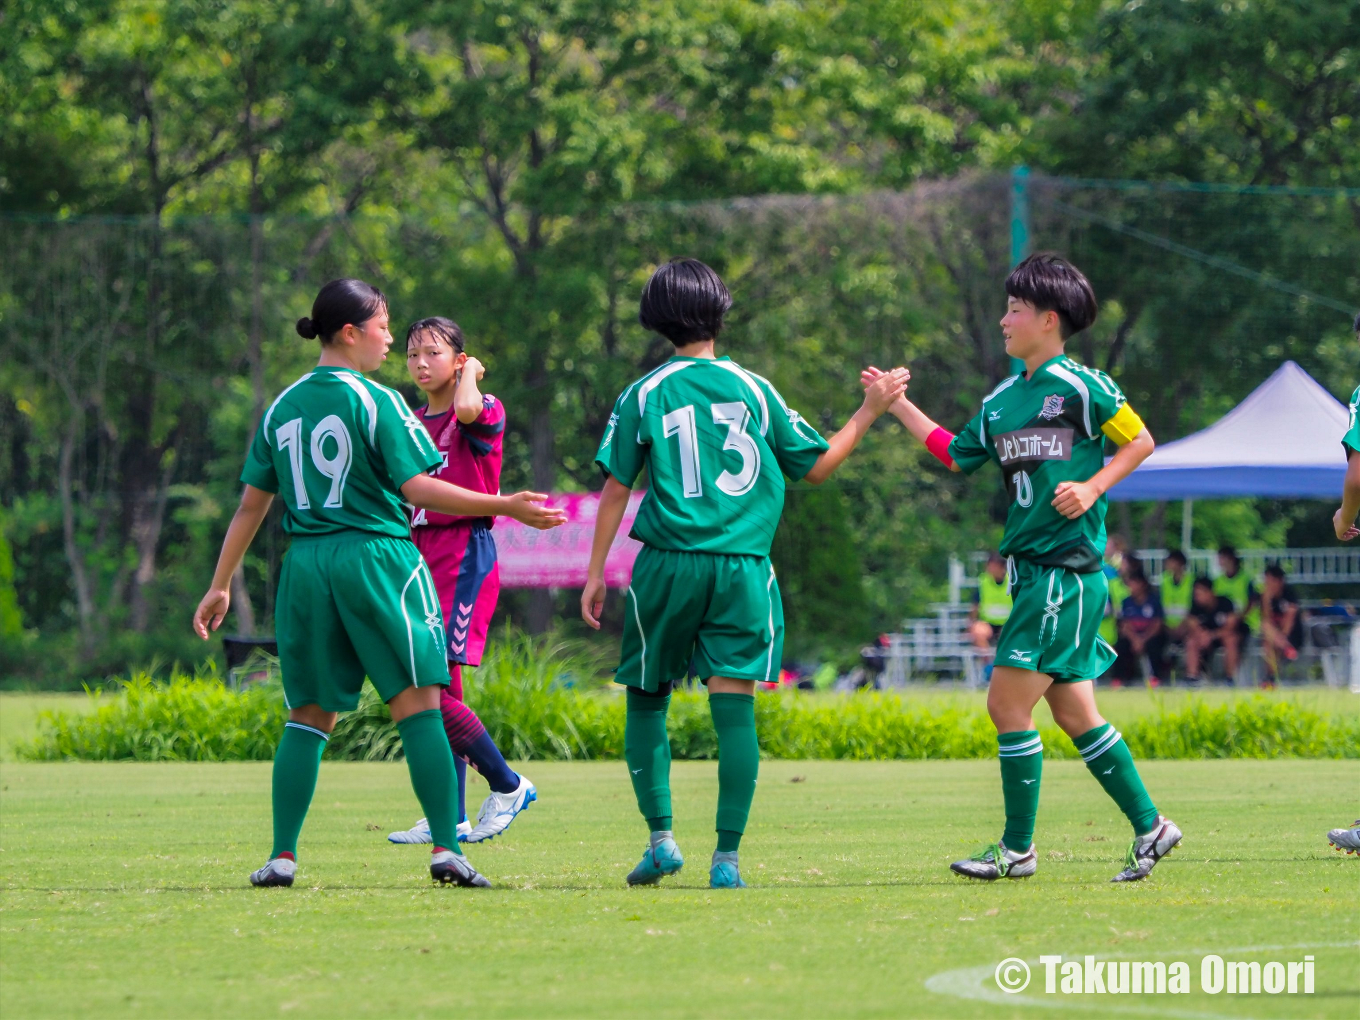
x=526, y=507
x=917, y=422
x=250, y=514
x=878, y=397
x=613, y=502
x=1344, y=519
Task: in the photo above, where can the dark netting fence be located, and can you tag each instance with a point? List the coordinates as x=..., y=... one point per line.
x=138, y=356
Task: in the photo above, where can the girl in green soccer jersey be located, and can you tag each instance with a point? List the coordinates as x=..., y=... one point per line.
x=1348, y=840
x=716, y=441
x=1046, y=430
x=355, y=597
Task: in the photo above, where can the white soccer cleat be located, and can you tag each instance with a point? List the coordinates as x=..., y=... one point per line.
x=278, y=871
x=1346, y=840
x=996, y=861
x=420, y=833
x=1145, y=851
x=500, y=809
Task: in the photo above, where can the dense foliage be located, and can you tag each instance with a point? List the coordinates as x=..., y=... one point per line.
x=529, y=698
x=177, y=179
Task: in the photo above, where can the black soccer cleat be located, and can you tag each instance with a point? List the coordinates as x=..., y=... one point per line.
x=449, y=868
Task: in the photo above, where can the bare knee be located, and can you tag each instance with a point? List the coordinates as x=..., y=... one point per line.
x=413, y=700
x=313, y=715
x=1074, y=707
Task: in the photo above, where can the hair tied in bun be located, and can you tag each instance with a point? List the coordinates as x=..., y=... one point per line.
x=339, y=303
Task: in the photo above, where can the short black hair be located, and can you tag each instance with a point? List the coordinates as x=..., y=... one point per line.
x=1276, y=571
x=1203, y=582
x=1136, y=574
x=1230, y=552
x=1052, y=284
x=685, y=302
x=995, y=557
x=440, y=328
x=338, y=304
x=1177, y=555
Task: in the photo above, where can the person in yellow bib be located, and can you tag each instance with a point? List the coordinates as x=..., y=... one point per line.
x=991, y=603
x=1233, y=583
x=1176, y=593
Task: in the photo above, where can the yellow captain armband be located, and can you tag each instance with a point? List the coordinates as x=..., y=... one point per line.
x=1124, y=426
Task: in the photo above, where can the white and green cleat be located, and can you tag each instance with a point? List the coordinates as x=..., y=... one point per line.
x=996, y=861
x=1146, y=850
x=1346, y=840
x=657, y=862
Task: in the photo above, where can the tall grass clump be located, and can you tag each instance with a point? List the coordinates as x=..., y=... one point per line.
x=538, y=698
x=1256, y=727
x=188, y=718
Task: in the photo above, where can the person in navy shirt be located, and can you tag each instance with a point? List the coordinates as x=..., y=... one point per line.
x=1142, y=630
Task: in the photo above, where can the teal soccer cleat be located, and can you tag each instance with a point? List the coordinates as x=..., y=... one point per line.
x=657, y=862
x=724, y=873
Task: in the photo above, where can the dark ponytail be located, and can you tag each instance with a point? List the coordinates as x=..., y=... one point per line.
x=339, y=304
x=441, y=329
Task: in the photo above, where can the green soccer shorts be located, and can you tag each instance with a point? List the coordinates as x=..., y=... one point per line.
x=1054, y=626
x=356, y=604
x=722, y=614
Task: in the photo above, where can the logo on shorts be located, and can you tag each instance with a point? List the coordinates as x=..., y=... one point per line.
x=1019, y=656
x=1053, y=406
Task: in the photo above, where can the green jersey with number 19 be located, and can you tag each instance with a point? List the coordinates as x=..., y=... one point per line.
x=716, y=441
x=1041, y=431
x=338, y=448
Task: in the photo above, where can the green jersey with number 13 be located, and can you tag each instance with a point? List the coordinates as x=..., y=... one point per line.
x=717, y=441
x=338, y=448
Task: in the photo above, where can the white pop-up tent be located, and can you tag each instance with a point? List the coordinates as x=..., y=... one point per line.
x=1284, y=440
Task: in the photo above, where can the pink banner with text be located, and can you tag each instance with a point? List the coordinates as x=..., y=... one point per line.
x=559, y=558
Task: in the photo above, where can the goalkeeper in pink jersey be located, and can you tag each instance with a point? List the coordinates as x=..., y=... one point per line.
x=467, y=428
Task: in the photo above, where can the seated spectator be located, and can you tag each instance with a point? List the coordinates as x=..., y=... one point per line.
x=1213, y=623
x=1142, y=631
x=1175, y=594
x=1116, y=558
x=1237, y=586
x=991, y=603
x=1281, y=622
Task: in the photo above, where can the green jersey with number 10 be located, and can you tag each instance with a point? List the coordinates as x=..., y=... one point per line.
x=717, y=441
x=1042, y=431
x=338, y=448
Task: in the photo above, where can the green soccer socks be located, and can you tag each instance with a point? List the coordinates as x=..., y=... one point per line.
x=734, y=717
x=296, y=764
x=430, y=762
x=1022, y=766
x=647, y=750
x=1107, y=756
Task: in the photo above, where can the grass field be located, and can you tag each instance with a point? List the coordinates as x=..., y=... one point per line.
x=125, y=894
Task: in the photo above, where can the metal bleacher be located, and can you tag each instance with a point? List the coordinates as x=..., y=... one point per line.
x=939, y=648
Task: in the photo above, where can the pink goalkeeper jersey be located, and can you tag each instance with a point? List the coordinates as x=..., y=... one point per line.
x=472, y=455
